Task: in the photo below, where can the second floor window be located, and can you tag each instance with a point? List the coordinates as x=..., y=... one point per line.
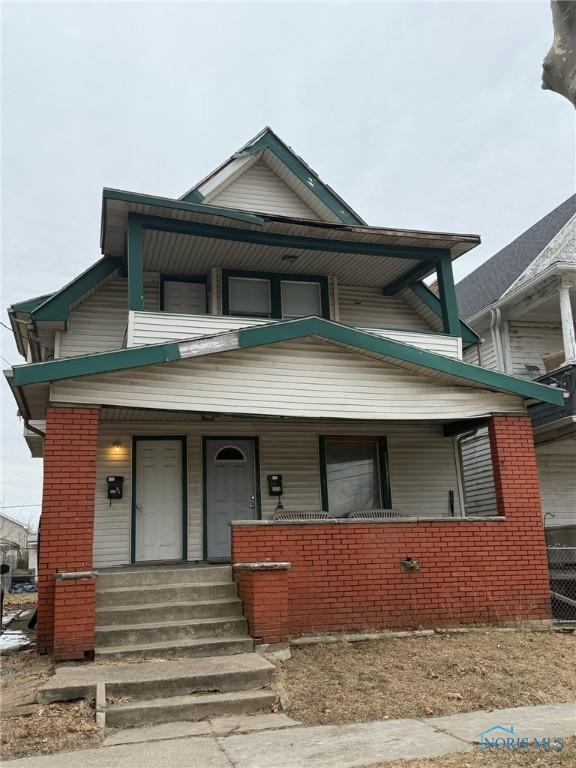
x=274, y=295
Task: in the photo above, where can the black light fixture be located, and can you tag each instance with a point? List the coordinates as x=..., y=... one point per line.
x=290, y=258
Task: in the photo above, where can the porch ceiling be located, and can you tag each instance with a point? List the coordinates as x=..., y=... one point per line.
x=191, y=254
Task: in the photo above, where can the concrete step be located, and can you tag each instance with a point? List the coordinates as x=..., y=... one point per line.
x=170, y=649
x=154, y=576
x=159, y=679
x=169, y=631
x=159, y=612
x=163, y=593
x=194, y=707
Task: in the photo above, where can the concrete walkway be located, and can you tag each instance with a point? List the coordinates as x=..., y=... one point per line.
x=280, y=743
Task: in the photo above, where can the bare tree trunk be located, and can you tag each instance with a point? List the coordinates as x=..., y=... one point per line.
x=559, y=66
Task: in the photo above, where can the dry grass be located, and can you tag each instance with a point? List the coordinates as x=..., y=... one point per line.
x=41, y=730
x=564, y=759
x=424, y=676
x=54, y=728
x=15, y=600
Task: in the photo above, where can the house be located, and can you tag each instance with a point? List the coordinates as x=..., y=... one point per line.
x=14, y=538
x=252, y=374
x=522, y=303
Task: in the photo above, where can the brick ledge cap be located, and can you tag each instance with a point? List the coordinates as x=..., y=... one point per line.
x=261, y=566
x=374, y=521
x=67, y=575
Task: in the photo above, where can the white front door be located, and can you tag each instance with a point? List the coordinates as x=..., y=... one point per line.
x=231, y=490
x=159, y=500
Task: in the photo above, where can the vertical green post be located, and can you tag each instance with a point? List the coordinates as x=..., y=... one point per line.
x=448, y=301
x=135, y=258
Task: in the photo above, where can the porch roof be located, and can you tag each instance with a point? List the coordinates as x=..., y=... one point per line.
x=418, y=361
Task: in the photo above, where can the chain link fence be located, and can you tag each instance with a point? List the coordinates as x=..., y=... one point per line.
x=562, y=568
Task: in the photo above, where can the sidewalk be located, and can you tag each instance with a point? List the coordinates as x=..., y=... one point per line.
x=327, y=746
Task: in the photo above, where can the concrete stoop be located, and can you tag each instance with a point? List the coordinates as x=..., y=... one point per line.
x=139, y=693
x=171, y=645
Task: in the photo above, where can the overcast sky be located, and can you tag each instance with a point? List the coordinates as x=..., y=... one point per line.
x=422, y=115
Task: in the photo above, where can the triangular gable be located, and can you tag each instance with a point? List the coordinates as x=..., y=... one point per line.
x=258, y=188
x=450, y=371
x=300, y=378
x=289, y=173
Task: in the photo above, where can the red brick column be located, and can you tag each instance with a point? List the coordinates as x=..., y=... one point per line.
x=515, y=470
x=67, y=531
x=74, y=607
x=263, y=589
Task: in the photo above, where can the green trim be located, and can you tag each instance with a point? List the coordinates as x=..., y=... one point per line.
x=192, y=197
x=89, y=365
x=383, y=469
x=384, y=472
x=296, y=329
x=181, y=279
x=184, y=468
x=178, y=205
x=257, y=237
x=57, y=306
x=432, y=301
x=448, y=300
x=267, y=139
x=257, y=484
x=275, y=279
x=29, y=305
x=288, y=330
x=305, y=174
x=406, y=280
x=135, y=263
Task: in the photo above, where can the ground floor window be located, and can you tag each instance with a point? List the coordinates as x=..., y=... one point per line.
x=354, y=473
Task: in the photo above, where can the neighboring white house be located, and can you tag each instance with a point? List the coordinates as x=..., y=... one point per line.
x=522, y=302
x=14, y=537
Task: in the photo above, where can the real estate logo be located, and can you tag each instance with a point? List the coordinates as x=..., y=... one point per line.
x=504, y=738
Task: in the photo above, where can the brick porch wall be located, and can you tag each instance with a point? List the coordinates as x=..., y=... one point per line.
x=347, y=576
x=66, y=612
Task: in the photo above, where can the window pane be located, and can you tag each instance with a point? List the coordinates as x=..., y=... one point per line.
x=247, y=296
x=300, y=299
x=185, y=298
x=353, y=476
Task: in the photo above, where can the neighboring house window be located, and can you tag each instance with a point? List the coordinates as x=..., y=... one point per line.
x=354, y=474
x=281, y=296
x=185, y=297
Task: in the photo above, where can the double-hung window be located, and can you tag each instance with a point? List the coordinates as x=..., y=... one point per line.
x=281, y=296
x=354, y=472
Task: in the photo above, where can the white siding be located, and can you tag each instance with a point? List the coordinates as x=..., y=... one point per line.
x=369, y=307
x=421, y=461
x=306, y=379
x=557, y=473
x=471, y=355
x=531, y=342
x=157, y=327
x=260, y=189
x=98, y=323
x=478, y=475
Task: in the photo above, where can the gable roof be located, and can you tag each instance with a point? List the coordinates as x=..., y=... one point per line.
x=492, y=279
x=297, y=174
x=417, y=360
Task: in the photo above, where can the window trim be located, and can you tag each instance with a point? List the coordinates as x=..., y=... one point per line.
x=383, y=466
x=165, y=278
x=275, y=279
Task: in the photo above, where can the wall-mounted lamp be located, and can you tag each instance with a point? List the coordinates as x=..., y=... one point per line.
x=116, y=445
x=290, y=258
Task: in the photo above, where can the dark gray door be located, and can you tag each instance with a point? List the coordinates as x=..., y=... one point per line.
x=231, y=491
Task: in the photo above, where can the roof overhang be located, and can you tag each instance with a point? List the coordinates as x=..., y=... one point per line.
x=193, y=237
x=417, y=360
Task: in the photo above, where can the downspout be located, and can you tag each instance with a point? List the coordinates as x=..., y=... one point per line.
x=496, y=330
x=35, y=430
